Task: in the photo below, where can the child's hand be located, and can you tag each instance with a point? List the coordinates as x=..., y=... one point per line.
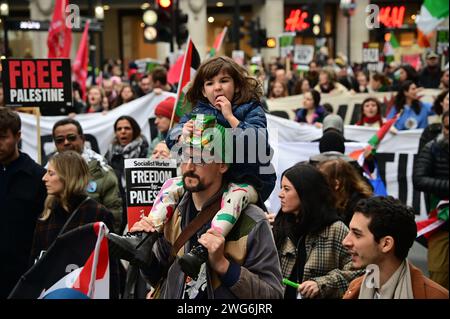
x=188, y=128
x=270, y=217
x=145, y=224
x=224, y=106
x=393, y=130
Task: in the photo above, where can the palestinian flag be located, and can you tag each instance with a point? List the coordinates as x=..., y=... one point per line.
x=218, y=42
x=432, y=13
x=358, y=155
x=190, y=65
x=76, y=266
x=437, y=217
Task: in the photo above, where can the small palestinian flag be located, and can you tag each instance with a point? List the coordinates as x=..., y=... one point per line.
x=358, y=155
x=190, y=65
x=218, y=42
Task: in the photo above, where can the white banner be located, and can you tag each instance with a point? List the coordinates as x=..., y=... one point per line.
x=97, y=127
x=343, y=104
x=291, y=142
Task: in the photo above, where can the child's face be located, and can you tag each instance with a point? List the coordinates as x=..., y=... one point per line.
x=220, y=85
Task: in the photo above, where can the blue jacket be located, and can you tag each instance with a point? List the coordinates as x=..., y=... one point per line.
x=251, y=117
x=409, y=119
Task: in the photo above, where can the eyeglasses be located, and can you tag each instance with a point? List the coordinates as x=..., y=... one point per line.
x=70, y=138
x=195, y=160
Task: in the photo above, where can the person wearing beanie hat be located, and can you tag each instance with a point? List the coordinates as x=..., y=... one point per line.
x=163, y=113
x=334, y=122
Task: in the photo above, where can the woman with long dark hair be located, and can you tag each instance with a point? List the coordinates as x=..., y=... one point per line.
x=311, y=112
x=413, y=113
x=308, y=234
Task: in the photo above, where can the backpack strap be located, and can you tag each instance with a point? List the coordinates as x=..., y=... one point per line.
x=204, y=216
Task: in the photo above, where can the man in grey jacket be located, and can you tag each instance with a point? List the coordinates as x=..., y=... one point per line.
x=242, y=265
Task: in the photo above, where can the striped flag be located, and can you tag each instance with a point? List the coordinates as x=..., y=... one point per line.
x=437, y=217
x=373, y=142
x=76, y=266
x=432, y=13
x=218, y=42
x=375, y=139
x=190, y=65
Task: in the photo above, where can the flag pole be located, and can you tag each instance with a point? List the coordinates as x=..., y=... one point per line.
x=179, y=82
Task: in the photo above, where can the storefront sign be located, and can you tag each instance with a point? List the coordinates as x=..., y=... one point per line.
x=297, y=21
x=392, y=16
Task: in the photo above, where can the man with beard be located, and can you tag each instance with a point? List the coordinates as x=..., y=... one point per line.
x=431, y=172
x=430, y=76
x=242, y=265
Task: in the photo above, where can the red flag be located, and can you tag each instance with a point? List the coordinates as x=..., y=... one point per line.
x=173, y=75
x=59, y=39
x=80, y=66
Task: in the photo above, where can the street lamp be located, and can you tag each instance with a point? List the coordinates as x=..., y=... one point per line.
x=99, y=12
x=348, y=8
x=4, y=9
x=4, y=13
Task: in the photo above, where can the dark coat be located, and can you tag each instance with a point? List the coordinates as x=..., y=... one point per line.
x=431, y=169
x=430, y=78
x=22, y=196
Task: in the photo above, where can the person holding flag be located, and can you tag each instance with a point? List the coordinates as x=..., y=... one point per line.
x=225, y=96
x=366, y=160
x=67, y=206
x=224, y=90
x=430, y=175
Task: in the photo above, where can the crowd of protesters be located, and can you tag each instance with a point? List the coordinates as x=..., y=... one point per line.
x=330, y=227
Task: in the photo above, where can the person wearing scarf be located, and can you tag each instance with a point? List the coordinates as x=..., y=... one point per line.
x=127, y=143
x=382, y=231
x=371, y=113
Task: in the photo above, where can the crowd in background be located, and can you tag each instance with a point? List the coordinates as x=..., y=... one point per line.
x=326, y=192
